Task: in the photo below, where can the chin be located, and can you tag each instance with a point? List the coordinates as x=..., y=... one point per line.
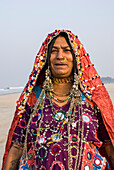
x=61, y=75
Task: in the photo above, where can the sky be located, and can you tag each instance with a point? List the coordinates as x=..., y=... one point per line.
x=24, y=24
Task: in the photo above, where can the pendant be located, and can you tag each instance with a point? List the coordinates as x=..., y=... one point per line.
x=41, y=140
x=58, y=165
x=73, y=151
x=36, y=118
x=42, y=152
x=55, y=150
x=86, y=118
x=56, y=137
x=59, y=115
x=74, y=124
x=74, y=138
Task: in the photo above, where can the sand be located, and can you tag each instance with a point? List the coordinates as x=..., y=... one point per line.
x=7, y=109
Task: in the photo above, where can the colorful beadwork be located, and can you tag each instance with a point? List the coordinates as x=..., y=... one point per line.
x=52, y=140
x=23, y=164
x=22, y=123
x=42, y=152
x=41, y=140
x=58, y=164
x=82, y=62
x=42, y=168
x=57, y=132
x=74, y=138
x=73, y=151
x=86, y=118
x=55, y=149
x=56, y=137
x=35, y=118
x=59, y=115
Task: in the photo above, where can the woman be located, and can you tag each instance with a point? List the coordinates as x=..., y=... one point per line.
x=64, y=117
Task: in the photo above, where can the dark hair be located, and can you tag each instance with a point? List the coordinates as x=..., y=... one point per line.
x=50, y=46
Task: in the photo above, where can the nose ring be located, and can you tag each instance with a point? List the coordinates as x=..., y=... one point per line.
x=63, y=60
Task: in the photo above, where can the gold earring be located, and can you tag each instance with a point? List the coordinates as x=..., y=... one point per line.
x=47, y=85
x=75, y=92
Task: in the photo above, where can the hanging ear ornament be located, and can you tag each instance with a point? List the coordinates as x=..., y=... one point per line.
x=75, y=92
x=47, y=85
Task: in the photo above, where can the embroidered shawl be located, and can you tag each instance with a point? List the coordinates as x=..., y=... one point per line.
x=90, y=84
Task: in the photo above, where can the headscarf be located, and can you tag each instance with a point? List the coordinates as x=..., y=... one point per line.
x=90, y=84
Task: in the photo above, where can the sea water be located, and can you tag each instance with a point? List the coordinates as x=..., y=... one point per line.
x=9, y=90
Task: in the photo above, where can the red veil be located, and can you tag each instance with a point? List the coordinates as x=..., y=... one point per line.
x=90, y=84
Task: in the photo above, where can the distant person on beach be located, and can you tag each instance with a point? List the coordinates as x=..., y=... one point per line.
x=64, y=118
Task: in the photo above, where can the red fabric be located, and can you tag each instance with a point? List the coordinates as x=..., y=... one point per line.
x=32, y=99
x=101, y=98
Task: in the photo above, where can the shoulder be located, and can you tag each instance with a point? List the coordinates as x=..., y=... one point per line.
x=34, y=96
x=37, y=90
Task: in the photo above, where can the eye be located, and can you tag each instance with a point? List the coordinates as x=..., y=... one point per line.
x=67, y=50
x=54, y=51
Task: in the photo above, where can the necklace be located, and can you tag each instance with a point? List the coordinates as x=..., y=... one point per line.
x=65, y=118
x=63, y=80
x=39, y=105
x=58, y=100
x=75, y=141
x=60, y=113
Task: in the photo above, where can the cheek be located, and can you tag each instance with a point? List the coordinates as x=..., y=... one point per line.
x=71, y=64
x=70, y=61
x=51, y=59
x=70, y=58
x=52, y=63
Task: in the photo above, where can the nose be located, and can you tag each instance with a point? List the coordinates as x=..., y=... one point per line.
x=60, y=54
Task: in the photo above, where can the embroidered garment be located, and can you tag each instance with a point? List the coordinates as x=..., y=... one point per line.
x=47, y=138
x=90, y=84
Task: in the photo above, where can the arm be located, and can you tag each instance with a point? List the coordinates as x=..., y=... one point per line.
x=110, y=152
x=14, y=155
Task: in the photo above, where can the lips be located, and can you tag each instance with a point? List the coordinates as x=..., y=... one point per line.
x=60, y=64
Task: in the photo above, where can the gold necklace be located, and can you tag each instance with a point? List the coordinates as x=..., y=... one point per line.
x=59, y=100
x=63, y=80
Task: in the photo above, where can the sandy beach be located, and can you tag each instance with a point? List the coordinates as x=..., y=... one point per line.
x=7, y=109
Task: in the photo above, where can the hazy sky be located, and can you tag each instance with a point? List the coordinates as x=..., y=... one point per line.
x=24, y=24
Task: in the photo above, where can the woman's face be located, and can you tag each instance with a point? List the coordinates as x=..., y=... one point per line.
x=61, y=58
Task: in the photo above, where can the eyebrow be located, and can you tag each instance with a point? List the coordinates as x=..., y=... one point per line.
x=61, y=47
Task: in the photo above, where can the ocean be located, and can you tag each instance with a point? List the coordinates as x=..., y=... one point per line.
x=10, y=90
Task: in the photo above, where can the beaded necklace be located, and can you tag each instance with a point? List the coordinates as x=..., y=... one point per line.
x=58, y=100
x=63, y=80
x=67, y=119
x=62, y=118
x=39, y=105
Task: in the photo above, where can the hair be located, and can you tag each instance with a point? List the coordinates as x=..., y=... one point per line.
x=50, y=46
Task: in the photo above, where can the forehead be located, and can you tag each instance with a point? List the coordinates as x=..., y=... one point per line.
x=60, y=42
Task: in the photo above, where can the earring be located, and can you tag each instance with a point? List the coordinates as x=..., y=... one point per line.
x=47, y=85
x=75, y=92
